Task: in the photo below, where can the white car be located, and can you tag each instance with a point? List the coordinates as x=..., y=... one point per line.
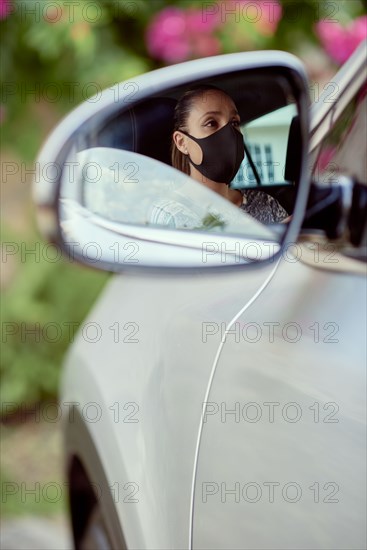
x=215, y=397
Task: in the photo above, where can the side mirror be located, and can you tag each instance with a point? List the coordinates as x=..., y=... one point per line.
x=107, y=194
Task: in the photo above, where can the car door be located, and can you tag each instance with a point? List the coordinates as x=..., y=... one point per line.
x=282, y=453
x=163, y=372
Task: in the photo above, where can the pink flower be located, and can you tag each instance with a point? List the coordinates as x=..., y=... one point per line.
x=340, y=42
x=5, y=8
x=199, y=21
x=205, y=45
x=166, y=38
x=175, y=35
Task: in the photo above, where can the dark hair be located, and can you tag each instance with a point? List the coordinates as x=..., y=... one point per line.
x=181, y=114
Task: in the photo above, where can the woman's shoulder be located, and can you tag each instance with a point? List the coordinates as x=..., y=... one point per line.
x=262, y=207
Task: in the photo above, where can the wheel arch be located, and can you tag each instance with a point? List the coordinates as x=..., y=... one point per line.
x=88, y=486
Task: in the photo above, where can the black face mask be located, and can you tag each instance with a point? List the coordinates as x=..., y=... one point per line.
x=223, y=153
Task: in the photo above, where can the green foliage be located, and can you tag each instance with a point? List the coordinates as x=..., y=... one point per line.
x=53, y=56
x=61, y=63
x=31, y=471
x=37, y=309
x=38, y=503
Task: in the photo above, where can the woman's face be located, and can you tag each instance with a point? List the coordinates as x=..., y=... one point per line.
x=210, y=111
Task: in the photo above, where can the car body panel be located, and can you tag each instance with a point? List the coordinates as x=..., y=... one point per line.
x=167, y=382
x=313, y=370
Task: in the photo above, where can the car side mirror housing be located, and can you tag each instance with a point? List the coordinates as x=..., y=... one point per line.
x=104, y=172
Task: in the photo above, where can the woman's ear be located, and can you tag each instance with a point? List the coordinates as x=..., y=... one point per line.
x=180, y=142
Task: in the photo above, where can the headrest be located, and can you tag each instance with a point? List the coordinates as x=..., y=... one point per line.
x=153, y=127
x=146, y=128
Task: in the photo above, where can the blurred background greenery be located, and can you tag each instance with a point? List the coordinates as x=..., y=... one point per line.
x=56, y=54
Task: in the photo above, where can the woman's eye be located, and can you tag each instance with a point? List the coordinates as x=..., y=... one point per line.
x=213, y=123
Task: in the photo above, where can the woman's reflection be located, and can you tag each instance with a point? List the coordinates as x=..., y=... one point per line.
x=207, y=144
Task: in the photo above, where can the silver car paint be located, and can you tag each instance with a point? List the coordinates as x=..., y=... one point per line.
x=168, y=383
x=168, y=380
x=315, y=377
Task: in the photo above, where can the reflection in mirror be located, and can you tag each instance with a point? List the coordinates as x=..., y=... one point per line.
x=266, y=138
x=122, y=192
x=129, y=188
x=232, y=142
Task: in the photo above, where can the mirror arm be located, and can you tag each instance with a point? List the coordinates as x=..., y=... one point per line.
x=339, y=209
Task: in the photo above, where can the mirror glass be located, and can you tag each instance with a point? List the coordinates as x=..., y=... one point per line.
x=129, y=188
x=118, y=174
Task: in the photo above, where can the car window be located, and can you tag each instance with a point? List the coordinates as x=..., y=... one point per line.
x=266, y=139
x=343, y=149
